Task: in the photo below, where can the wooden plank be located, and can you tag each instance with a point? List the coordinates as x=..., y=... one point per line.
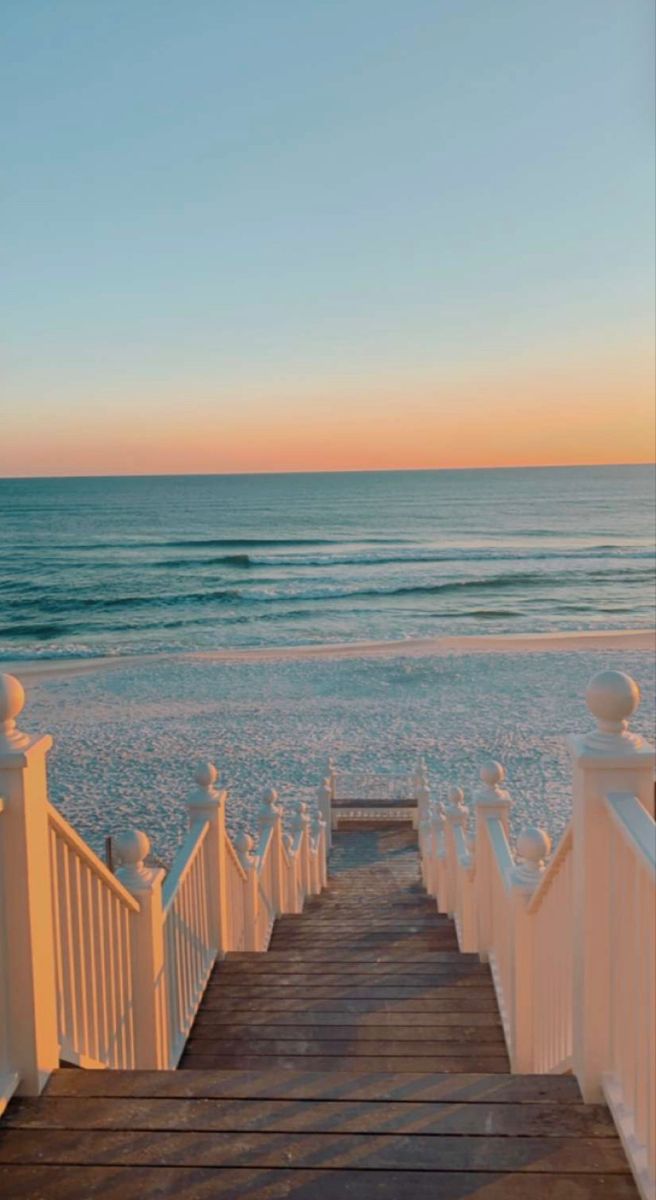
x=344, y=955
x=279, y=983
x=398, y=969
x=407, y=945
x=315, y=1062
x=482, y=1001
x=303, y=1084
x=349, y=992
x=207, y=1183
x=326, y=1116
x=352, y=1034
x=420, y=1026
x=345, y=1047
x=283, y=966
x=333, y=1150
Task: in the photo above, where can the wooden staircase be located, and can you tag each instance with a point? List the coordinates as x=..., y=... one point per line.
x=361, y=1056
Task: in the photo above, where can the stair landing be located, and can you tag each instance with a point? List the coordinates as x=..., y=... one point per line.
x=361, y=1057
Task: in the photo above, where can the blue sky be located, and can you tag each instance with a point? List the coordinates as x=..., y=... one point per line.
x=247, y=201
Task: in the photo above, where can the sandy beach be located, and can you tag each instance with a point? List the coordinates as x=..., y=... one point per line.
x=129, y=730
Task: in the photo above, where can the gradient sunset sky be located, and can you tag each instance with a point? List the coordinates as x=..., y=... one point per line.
x=245, y=235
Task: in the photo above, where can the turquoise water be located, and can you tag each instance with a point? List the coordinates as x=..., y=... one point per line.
x=131, y=565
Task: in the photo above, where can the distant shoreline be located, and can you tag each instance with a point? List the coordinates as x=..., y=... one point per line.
x=530, y=643
x=337, y=471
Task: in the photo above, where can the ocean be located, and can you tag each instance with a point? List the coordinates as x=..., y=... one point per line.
x=125, y=566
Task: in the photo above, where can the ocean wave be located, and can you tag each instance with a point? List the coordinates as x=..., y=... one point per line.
x=44, y=631
x=220, y=560
x=286, y=592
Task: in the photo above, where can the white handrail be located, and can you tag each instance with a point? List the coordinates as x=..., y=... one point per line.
x=92, y=914
x=189, y=948
x=183, y=863
x=636, y=827
x=572, y=946
x=550, y=875
x=108, y=970
x=84, y=851
x=501, y=852
x=630, y=1076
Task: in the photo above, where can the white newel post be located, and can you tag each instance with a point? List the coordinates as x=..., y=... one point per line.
x=332, y=784
x=316, y=826
x=244, y=849
x=323, y=853
x=25, y=898
x=533, y=848
x=270, y=818
x=609, y=759
x=324, y=799
x=292, y=904
x=152, y=1051
x=490, y=801
x=438, y=849
x=422, y=792
x=306, y=866
x=207, y=803
x=424, y=838
x=457, y=814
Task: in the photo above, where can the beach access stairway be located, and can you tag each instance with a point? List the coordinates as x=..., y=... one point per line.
x=443, y=1015
x=362, y=1055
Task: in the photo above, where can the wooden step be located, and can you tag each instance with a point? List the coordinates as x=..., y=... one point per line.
x=417, y=1029
x=450, y=1047
x=330, y=1116
x=354, y=1085
x=269, y=967
x=192, y=1183
x=412, y=1064
x=449, y=1000
x=340, y=954
x=373, y=1151
x=230, y=1034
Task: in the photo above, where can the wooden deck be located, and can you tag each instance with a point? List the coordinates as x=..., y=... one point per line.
x=362, y=1056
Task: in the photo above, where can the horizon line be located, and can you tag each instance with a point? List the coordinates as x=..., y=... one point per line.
x=331, y=471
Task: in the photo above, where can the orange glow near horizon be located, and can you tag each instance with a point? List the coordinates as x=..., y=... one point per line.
x=551, y=417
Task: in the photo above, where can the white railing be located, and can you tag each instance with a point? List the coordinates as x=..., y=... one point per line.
x=629, y=1084
x=353, y=796
x=236, y=899
x=571, y=945
x=108, y=970
x=550, y=909
x=92, y=914
x=190, y=948
x=364, y=785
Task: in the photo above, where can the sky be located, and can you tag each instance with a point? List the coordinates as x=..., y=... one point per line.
x=262, y=235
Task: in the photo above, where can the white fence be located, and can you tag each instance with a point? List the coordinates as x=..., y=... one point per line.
x=571, y=944
x=105, y=970
x=348, y=797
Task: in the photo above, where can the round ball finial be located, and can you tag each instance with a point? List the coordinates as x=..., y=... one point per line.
x=131, y=847
x=612, y=697
x=271, y=796
x=205, y=774
x=12, y=701
x=533, y=844
x=244, y=847
x=12, y=697
x=492, y=773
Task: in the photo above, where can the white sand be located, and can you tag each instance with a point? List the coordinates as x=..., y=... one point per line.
x=126, y=738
